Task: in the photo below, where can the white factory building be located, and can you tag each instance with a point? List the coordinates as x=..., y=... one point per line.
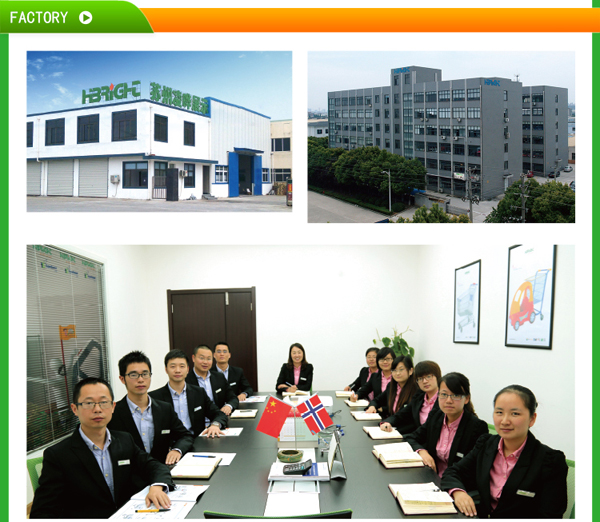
x=123, y=150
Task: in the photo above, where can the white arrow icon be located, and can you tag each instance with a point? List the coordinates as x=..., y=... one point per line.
x=85, y=17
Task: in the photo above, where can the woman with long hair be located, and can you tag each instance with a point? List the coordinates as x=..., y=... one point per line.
x=296, y=373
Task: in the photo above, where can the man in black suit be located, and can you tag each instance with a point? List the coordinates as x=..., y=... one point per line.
x=90, y=474
x=153, y=423
x=214, y=383
x=234, y=375
x=190, y=402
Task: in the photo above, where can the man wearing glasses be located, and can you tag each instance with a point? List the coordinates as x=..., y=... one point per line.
x=153, y=424
x=94, y=472
x=234, y=375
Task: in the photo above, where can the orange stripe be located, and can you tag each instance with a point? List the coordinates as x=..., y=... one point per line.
x=312, y=20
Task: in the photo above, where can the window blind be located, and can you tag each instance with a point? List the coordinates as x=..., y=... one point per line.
x=66, y=337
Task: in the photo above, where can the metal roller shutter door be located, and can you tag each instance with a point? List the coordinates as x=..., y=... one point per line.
x=93, y=177
x=34, y=178
x=60, y=177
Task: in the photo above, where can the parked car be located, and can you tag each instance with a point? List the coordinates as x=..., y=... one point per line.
x=568, y=168
x=572, y=185
x=552, y=174
x=530, y=174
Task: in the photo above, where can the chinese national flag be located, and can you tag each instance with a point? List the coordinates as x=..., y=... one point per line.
x=273, y=417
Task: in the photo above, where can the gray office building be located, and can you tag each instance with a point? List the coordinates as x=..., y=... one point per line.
x=451, y=126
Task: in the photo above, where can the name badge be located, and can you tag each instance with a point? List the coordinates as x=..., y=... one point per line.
x=302, y=378
x=198, y=408
x=165, y=432
x=524, y=493
x=232, y=383
x=124, y=462
x=218, y=390
x=461, y=455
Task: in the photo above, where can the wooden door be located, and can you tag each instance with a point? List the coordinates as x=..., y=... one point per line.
x=210, y=316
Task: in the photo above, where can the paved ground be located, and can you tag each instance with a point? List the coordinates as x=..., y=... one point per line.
x=323, y=209
x=241, y=204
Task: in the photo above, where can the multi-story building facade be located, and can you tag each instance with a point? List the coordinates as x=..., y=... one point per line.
x=545, y=129
x=318, y=128
x=451, y=126
x=281, y=150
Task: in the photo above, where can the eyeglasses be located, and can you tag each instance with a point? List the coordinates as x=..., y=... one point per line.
x=387, y=359
x=135, y=375
x=444, y=396
x=220, y=352
x=425, y=378
x=91, y=405
x=397, y=372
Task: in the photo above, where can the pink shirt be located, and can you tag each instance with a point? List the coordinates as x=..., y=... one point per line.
x=372, y=394
x=398, y=390
x=385, y=381
x=444, y=443
x=426, y=408
x=501, y=470
x=297, y=375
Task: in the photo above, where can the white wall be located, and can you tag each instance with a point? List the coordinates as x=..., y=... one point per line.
x=332, y=300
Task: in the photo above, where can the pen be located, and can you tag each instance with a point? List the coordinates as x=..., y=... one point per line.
x=151, y=510
x=245, y=411
x=205, y=456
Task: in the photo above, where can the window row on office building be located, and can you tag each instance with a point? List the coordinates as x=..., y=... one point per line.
x=124, y=149
x=495, y=127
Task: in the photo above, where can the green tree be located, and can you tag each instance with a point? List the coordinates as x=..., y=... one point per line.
x=435, y=215
x=551, y=202
x=320, y=162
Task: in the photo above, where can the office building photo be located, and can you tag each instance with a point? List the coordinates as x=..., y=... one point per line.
x=455, y=127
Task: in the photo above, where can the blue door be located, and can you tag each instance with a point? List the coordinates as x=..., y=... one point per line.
x=257, y=175
x=234, y=175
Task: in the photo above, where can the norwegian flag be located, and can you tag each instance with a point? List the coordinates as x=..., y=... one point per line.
x=314, y=414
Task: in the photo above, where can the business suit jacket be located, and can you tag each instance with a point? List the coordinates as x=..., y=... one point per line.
x=237, y=380
x=540, y=470
x=169, y=432
x=199, y=406
x=361, y=380
x=374, y=385
x=286, y=375
x=222, y=392
x=72, y=485
x=427, y=435
x=406, y=420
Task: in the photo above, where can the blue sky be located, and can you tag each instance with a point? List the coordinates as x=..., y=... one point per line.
x=260, y=81
x=332, y=71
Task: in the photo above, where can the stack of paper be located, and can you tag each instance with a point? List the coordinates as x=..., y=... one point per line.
x=375, y=432
x=343, y=394
x=229, y=432
x=422, y=499
x=398, y=455
x=254, y=398
x=297, y=392
x=243, y=414
x=362, y=403
x=364, y=416
x=292, y=498
x=195, y=466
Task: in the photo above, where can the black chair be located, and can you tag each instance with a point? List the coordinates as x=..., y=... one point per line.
x=344, y=513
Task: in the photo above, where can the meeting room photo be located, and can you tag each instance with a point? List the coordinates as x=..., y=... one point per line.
x=451, y=367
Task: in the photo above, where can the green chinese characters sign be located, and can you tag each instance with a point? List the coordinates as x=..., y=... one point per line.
x=111, y=92
x=175, y=98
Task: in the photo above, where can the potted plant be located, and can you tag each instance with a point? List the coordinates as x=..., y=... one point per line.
x=397, y=343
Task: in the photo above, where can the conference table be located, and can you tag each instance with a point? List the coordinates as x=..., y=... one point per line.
x=241, y=487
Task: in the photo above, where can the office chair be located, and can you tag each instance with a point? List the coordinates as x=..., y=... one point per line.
x=34, y=466
x=344, y=513
x=570, y=511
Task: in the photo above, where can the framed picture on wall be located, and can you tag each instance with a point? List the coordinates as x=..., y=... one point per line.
x=467, y=291
x=530, y=296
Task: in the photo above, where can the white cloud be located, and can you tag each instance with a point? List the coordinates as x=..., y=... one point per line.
x=30, y=78
x=242, y=56
x=54, y=58
x=56, y=74
x=36, y=63
x=61, y=89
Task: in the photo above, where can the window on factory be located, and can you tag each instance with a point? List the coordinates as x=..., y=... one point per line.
x=526, y=112
x=422, y=161
x=445, y=165
x=377, y=113
x=527, y=126
x=506, y=165
x=526, y=139
x=361, y=141
x=353, y=127
x=369, y=127
x=526, y=98
x=88, y=129
x=432, y=146
x=430, y=96
x=526, y=165
x=459, y=149
x=189, y=180
x=419, y=97
x=538, y=167
x=280, y=144
x=352, y=140
x=556, y=99
x=338, y=102
x=444, y=95
x=338, y=126
x=266, y=176
x=386, y=113
x=135, y=174
x=419, y=146
x=458, y=94
x=537, y=98
x=396, y=144
x=537, y=126
x=352, y=100
x=360, y=113
x=431, y=130
x=556, y=126
x=506, y=147
x=30, y=134
x=431, y=113
x=444, y=112
x=332, y=102
x=556, y=138
x=396, y=97
x=537, y=140
x=345, y=113
x=396, y=79
x=360, y=127
x=538, y=111
x=359, y=100
x=420, y=113
x=189, y=133
x=556, y=152
x=346, y=127
x=445, y=148
x=377, y=127
x=505, y=96
x=526, y=153
x=458, y=130
x=368, y=141
x=338, y=114
x=397, y=128
x=474, y=131
x=368, y=100
x=319, y=131
x=396, y=113
x=458, y=112
x=124, y=125
x=387, y=127
x=474, y=112
x=459, y=166
x=221, y=174
x=282, y=174
x=368, y=113
x=377, y=98
x=386, y=99
x=407, y=97
x=353, y=113
x=475, y=169
x=55, y=132
x=555, y=112
x=474, y=150
x=161, y=128
x=419, y=129
x=378, y=142
x=387, y=143
x=432, y=163
x=444, y=130
x=407, y=79
x=538, y=154
x=345, y=101
x=474, y=94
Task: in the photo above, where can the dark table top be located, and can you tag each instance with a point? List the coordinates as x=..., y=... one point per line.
x=241, y=487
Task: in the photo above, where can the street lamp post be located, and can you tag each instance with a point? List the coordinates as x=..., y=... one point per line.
x=388, y=172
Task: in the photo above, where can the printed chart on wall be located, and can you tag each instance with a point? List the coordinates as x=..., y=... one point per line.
x=467, y=283
x=530, y=298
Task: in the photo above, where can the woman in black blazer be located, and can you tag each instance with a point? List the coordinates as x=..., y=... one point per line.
x=455, y=403
x=535, y=488
x=287, y=381
x=376, y=385
x=367, y=372
x=399, y=391
x=406, y=420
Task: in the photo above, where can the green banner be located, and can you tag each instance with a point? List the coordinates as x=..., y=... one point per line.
x=111, y=16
